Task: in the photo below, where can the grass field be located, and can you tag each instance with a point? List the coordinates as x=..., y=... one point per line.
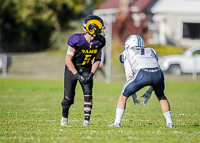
x=30, y=111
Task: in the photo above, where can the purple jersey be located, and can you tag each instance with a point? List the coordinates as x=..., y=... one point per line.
x=85, y=52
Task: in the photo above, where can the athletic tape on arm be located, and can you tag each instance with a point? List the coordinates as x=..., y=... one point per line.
x=70, y=53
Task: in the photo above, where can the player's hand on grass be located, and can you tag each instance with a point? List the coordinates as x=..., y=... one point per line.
x=81, y=78
x=135, y=100
x=147, y=95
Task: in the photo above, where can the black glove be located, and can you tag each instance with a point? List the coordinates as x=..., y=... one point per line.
x=89, y=77
x=81, y=78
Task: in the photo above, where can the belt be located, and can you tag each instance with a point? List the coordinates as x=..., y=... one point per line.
x=151, y=69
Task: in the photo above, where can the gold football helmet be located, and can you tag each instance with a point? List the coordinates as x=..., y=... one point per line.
x=94, y=25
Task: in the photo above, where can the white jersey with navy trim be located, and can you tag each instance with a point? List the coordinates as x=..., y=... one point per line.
x=136, y=58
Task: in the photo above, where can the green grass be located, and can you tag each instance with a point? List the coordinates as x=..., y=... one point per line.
x=30, y=111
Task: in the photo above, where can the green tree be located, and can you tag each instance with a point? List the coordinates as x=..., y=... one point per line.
x=27, y=25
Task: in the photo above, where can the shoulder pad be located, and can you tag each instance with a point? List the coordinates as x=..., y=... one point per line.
x=73, y=39
x=102, y=40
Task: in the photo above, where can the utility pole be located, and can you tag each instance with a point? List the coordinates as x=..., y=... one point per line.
x=108, y=48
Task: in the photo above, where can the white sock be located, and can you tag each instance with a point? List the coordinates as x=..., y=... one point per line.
x=119, y=114
x=168, y=117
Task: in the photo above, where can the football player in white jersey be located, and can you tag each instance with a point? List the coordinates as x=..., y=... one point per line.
x=141, y=69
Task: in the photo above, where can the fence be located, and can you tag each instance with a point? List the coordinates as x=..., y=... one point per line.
x=48, y=66
x=51, y=66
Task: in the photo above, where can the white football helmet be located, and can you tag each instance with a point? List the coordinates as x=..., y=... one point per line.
x=134, y=41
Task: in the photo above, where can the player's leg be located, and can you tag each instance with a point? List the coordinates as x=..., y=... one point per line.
x=121, y=105
x=87, y=109
x=87, y=91
x=164, y=103
x=70, y=82
x=129, y=88
x=165, y=107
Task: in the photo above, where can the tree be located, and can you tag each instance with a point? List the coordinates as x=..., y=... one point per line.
x=27, y=25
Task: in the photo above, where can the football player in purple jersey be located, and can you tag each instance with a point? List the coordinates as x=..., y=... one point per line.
x=81, y=62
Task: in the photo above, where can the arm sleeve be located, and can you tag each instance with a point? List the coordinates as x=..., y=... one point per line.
x=127, y=67
x=155, y=54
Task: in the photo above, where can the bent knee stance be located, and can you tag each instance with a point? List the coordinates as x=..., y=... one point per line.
x=87, y=106
x=67, y=102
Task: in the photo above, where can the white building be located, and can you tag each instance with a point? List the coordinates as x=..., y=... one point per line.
x=175, y=22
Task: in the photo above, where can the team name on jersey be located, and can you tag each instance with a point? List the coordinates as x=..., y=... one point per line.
x=89, y=51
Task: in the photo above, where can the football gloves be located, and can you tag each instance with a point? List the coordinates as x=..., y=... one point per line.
x=89, y=77
x=81, y=78
x=84, y=78
x=135, y=100
x=147, y=95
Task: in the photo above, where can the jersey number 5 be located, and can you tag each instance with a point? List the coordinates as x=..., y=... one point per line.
x=87, y=59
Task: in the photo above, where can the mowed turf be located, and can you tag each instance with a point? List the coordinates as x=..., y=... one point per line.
x=30, y=111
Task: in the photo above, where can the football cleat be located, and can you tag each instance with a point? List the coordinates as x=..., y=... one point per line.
x=64, y=121
x=170, y=125
x=115, y=125
x=86, y=123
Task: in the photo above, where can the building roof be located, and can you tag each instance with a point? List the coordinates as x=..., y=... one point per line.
x=141, y=4
x=176, y=6
x=112, y=6
x=109, y=4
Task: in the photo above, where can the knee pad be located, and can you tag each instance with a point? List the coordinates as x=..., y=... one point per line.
x=87, y=92
x=67, y=102
x=87, y=89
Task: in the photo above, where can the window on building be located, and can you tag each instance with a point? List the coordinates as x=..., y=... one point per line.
x=191, y=30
